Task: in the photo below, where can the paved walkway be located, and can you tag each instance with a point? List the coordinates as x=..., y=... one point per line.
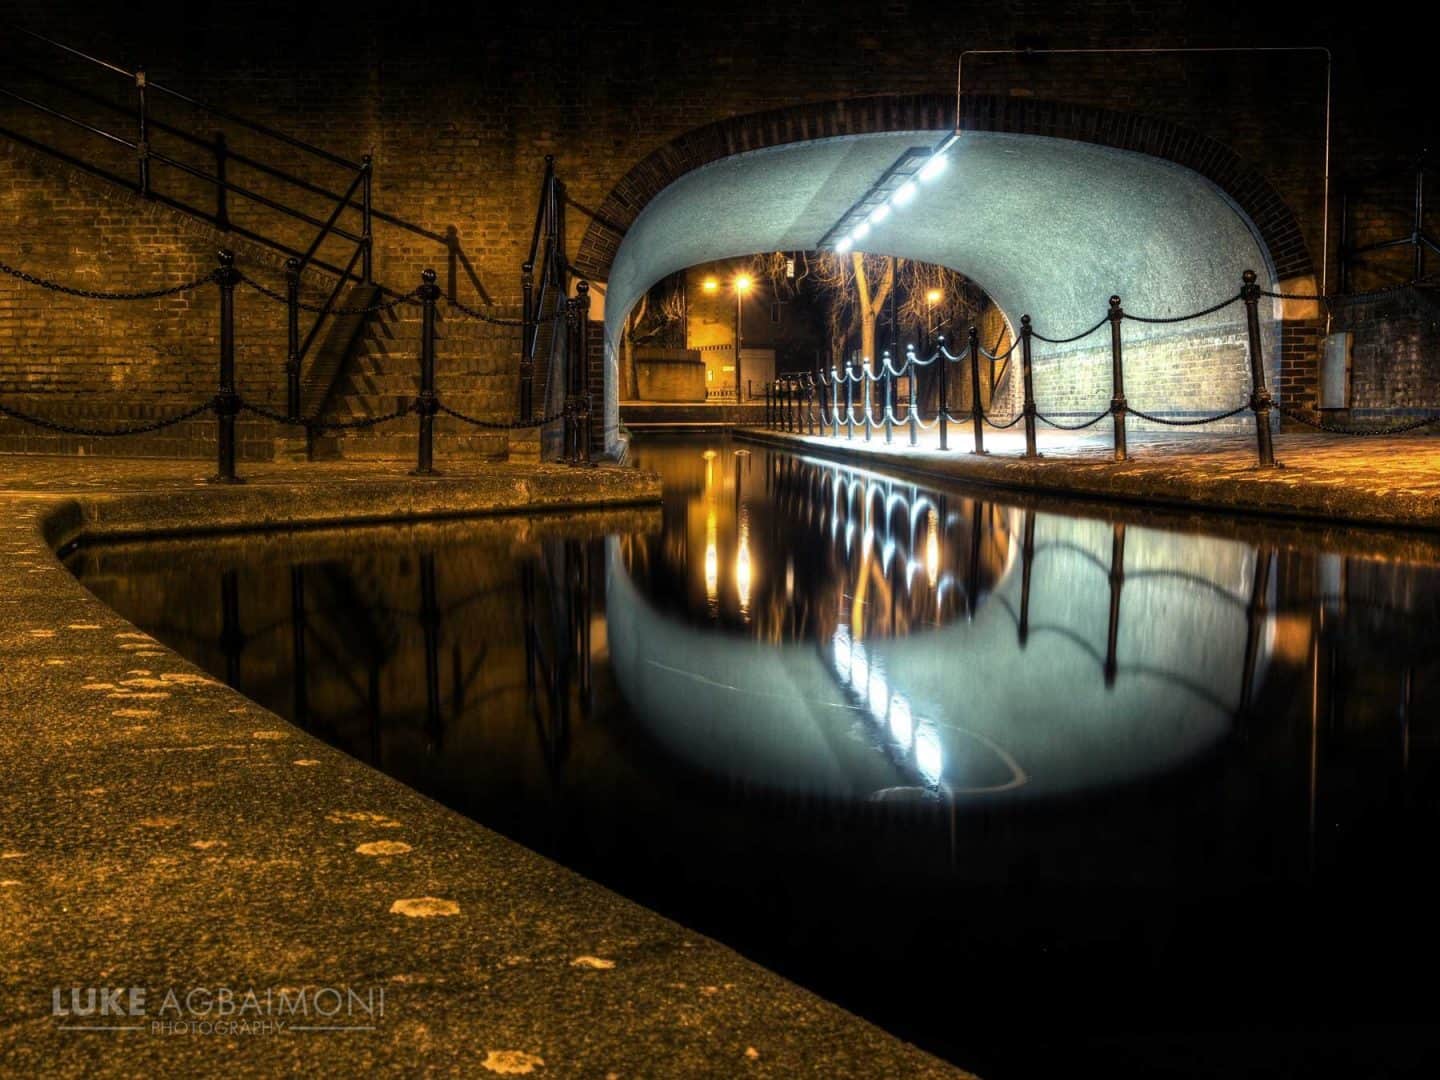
x=1375, y=481
x=160, y=831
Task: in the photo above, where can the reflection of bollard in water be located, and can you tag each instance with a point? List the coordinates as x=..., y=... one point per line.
x=1254, y=626
x=1117, y=582
x=1027, y=566
x=430, y=625
x=299, y=626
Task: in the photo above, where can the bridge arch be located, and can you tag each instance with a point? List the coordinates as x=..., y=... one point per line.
x=1048, y=207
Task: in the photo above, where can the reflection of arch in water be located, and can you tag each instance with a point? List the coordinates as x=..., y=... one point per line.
x=997, y=697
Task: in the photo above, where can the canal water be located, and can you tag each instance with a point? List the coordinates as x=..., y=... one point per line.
x=1040, y=787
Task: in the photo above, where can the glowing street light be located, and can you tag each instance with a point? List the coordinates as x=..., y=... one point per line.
x=710, y=285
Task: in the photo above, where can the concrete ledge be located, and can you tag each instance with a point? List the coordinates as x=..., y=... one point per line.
x=1392, y=482
x=159, y=830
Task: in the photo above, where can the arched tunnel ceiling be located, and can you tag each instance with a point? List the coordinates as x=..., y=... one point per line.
x=1046, y=226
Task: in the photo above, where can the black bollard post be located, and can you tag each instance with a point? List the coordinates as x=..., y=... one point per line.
x=849, y=403
x=527, y=330
x=868, y=386
x=1029, y=382
x=142, y=134
x=427, y=404
x=292, y=356
x=834, y=403
x=914, y=383
x=1260, y=401
x=1117, y=583
x=889, y=404
x=977, y=410
x=767, y=405
x=1117, y=378
x=227, y=401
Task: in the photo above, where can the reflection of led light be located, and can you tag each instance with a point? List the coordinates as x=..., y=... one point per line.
x=904, y=193
x=789, y=578
x=879, y=693
x=842, y=652
x=932, y=549
x=902, y=727
x=932, y=168
x=859, y=666
x=929, y=757
x=886, y=554
x=880, y=213
x=844, y=244
x=860, y=231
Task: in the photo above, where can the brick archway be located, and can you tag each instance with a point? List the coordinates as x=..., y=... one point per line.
x=1247, y=188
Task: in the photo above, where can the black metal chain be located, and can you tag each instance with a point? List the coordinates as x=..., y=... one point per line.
x=75, y=429
x=988, y=419
x=94, y=294
x=998, y=356
x=1071, y=427
x=322, y=309
x=313, y=424
x=1188, y=423
x=475, y=313
x=1186, y=318
x=1066, y=341
x=501, y=425
x=1320, y=425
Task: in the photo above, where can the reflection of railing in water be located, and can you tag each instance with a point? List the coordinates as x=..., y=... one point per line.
x=556, y=639
x=1255, y=611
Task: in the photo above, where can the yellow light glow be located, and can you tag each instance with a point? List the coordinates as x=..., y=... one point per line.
x=743, y=282
x=710, y=284
x=743, y=569
x=712, y=559
x=933, y=296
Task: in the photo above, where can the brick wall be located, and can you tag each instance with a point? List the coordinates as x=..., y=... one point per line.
x=1395, y=361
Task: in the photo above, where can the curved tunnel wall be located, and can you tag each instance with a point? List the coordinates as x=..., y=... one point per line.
x=1050, y=227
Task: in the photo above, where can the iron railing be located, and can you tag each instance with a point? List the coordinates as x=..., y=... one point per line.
x=810, y=403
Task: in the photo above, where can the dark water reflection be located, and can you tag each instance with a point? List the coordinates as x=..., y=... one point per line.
x=1038, y=790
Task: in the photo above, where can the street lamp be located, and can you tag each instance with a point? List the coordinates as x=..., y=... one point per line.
x=932, y=298
x=742, y=285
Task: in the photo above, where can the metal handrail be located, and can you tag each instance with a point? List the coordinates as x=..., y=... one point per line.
x=139, y=75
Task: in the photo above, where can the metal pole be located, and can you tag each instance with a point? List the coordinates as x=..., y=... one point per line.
x=427, y=404
x=292, y=356
x=527, y=329
x=866, y=385
x=1345, y=241
x=1029, y=383
x=977, y=411
x=1260, y=401
x=142, y=140
x=889, y=397
x=944, y=417
x=739, y=337
x=222, y=193
x=914, y=385
x=1117, y=583
x=834, y=403
x=1419, y=238
x=1117, y=374
x=582, y=332
x=367, y=240
x=227, y=401
x=849, y=404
